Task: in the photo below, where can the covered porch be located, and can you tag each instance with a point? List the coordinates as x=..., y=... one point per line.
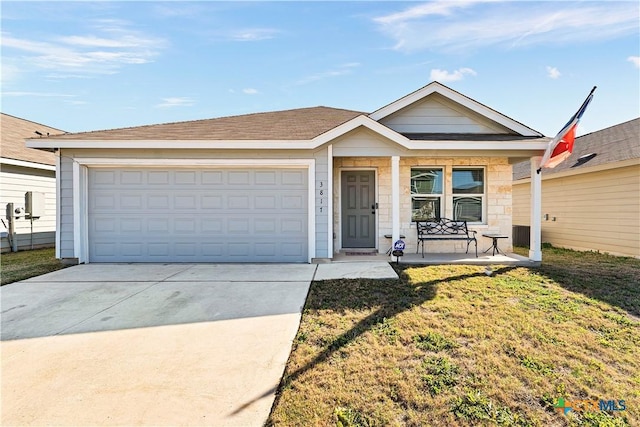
x=392, y=202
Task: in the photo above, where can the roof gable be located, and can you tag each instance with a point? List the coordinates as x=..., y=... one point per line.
x=14, y=131
x=435, y=108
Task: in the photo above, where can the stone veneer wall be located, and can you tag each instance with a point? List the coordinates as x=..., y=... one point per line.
x=499, y=200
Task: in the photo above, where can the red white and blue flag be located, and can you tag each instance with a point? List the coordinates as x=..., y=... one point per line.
x=561, y=146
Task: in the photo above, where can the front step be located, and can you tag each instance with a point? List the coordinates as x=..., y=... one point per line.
x=361, y=252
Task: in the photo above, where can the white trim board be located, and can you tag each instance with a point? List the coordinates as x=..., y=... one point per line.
x=26, y=164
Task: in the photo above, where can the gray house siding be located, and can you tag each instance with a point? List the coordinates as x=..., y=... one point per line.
x=322, y=204
x=66, y=207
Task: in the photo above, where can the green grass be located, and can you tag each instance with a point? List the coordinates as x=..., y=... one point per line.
x=448, y=345
x=15, y=266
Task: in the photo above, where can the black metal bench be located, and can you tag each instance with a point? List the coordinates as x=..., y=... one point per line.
x=444, y=229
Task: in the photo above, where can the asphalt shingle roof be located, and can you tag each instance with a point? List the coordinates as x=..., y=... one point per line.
x=613, y=144
x=297, y=124
x=14, y=131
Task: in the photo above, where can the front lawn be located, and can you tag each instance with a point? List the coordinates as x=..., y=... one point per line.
x=449, y=345
x=25, y=264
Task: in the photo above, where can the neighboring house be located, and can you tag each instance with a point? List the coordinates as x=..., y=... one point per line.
x=591, y=201
x=288, y=186
x=25, y=169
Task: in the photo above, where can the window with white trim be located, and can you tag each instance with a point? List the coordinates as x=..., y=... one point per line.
x=469, y=194
x=427, y=191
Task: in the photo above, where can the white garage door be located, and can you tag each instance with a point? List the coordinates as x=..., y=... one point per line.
x=197, y=215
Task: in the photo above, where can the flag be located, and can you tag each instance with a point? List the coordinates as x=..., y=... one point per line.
x=561, y=146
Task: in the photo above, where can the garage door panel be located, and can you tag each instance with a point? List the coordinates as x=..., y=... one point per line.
x=130, y=178
x=293, y=249
x=294, y=178
x=292, y=225
x=157, y=178
x=104, y=177
x=185, y=178
x=146, y=215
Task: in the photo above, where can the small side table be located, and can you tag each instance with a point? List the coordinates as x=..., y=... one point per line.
x=494, y=243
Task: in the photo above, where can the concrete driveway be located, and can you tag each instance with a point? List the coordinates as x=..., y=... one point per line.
x=136, y=344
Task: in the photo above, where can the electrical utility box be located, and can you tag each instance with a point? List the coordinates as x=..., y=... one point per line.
x=34, y=204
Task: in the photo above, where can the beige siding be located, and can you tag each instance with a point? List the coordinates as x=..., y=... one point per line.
x=15, y=181
x=437, y=114
x=521, y=204
x=498, y=178
x=595, y=211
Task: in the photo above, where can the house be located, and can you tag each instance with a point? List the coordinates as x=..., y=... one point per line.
x=25, y=170
x=288, y=186
x=591, y=201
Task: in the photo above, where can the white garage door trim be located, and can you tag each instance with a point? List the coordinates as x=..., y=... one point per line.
x=81, y=189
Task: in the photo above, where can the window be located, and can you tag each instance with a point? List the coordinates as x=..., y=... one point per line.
x=468, y=194
x=426, y=193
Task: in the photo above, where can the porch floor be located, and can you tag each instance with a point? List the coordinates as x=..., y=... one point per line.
x=440, y=259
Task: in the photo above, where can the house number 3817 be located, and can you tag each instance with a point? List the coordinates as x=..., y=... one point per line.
x=322, y=197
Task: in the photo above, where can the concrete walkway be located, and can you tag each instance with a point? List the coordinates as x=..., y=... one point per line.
x=165, y=344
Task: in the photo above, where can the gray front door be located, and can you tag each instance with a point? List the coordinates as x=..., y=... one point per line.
x=358, y=209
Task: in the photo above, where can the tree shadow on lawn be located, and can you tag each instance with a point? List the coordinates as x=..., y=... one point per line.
x=607, y=278
x=391, y=297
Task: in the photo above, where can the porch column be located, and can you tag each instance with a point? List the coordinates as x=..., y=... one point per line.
x=395, y=199
x=535, y=238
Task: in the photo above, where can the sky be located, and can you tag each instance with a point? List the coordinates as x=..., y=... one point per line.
x=82, y=65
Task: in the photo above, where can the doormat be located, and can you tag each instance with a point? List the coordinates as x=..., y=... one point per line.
x=360, y=253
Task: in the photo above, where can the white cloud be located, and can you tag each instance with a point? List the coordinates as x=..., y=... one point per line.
x=340, y=70
x=176, y=102
x=38, y=94
x=443, y=8
x=250, y=91
x=112, y=46
x=444, y=25
x=9, y=73
x=553, y=72
x=445, y=76
x=253, y=34
x=635, y=60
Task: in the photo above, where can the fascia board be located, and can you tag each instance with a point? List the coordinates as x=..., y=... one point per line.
x=584, y=170
x=459, y=99
x=26, y=164
x=476, y=145
x=172, y=144
x=307, y=145
x=403, y=102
